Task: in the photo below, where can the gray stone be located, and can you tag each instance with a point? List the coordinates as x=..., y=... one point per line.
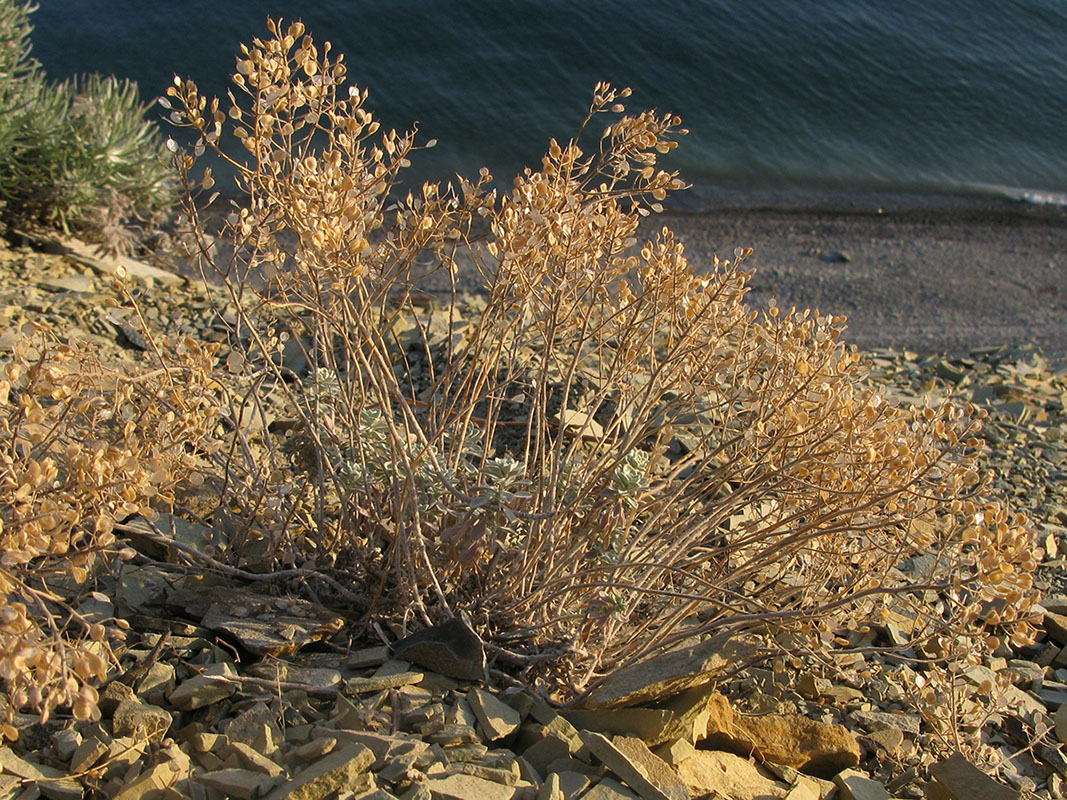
x=451, y=648
x=73, y=283
x=573, y=783
x=310, y=751
x=157, y=683
x=208, y=687
x=253, y=760
x=269, y=626
x=113, y=695
x=377, y=683
x=653, y=767
x=857, y=786
x=315, y=679
x=14, y=765
x=884, y=741
x=802, y=791
x=382, y=747
x=465, y=753
x=153, y=780
x=123, y=753
x=141, y=588
x=495, y=774
x=1056, y=627
x=648, y=723
x=141, y=721
x=548, y=749
x=368, y=657
x=256, y=727
x=713, y=771
x=451, y=735
x=956, y=778
x=120, y=266
x=61, y=788
x=880, y=720
x=1052, y=697
x=496, y=719
x=675, y=752
x=469, y=787
x=337, y=772
x=87, y=754
x=242, y=784
x=66, y=742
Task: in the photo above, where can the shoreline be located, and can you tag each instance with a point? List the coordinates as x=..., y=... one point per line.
x=928, y=273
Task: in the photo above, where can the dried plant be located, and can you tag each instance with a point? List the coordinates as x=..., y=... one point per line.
x=607, y=455
x=81, y=448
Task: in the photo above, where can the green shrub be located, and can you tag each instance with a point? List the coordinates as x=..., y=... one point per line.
x=80, y=154
x=22, y=93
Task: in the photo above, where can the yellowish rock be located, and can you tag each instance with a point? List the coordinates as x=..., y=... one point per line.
x=728, y=775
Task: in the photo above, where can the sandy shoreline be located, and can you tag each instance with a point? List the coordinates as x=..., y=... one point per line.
x=931, y=275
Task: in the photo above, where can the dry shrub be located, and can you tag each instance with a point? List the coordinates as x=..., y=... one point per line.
x=81, y=447
x=608, y=454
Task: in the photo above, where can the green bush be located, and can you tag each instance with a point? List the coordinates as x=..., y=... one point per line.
x=80, y=154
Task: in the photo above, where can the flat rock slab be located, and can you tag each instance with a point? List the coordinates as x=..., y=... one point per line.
x=667, y=674
x=469, y=787
x=242, y=784
x=263, y=625
x=153, y=781
x=120, y=266
x=134, y=718
x=648, y=723
x=330, y=776
x=958, y=779
x=495, y=717
x=650, y=764
x=607, y=789
x=817, y=748
x=631, y=770
x=712, y=772
x=884, y=720
x=210, y=686
x=857, y=786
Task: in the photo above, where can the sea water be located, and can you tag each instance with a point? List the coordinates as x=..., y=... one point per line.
x=927, y=96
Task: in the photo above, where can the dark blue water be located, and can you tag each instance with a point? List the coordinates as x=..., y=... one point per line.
x=937, y=96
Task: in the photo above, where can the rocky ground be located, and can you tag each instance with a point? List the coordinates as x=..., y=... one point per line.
x=230, y=690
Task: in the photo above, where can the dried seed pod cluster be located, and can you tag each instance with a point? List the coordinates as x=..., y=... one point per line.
x=81, y=447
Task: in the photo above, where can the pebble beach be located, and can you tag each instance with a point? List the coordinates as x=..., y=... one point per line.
x=919, y=273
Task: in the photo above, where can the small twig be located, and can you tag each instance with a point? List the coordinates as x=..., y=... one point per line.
x=288, y=686
x=135, y=675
